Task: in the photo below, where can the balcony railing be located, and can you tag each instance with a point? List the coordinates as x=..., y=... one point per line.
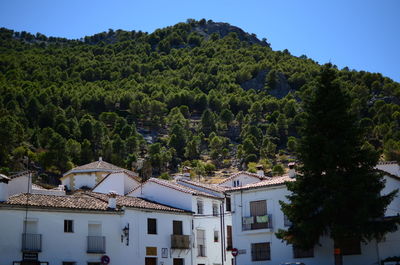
x=96, y=244
x=31, y=242
x=180, y=241
x=201, y=251
x=256, y=222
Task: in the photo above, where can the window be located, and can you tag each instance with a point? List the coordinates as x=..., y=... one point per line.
x=229, y=244
x=200, y=207
x=302, y=253
x=201, y=243
x=351, y=246
x=228, y=204
x=260, y=251
x=215, y=209
x=151, y=226
x=236, y=183
x=178, y=262
x=258, y=209
x=286, y=221
x=68, y=226
x=177, y=228
x=216, y=236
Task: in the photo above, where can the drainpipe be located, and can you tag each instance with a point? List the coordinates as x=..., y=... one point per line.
x=221, y=221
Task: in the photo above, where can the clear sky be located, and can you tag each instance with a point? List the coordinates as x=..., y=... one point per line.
x=360, y=34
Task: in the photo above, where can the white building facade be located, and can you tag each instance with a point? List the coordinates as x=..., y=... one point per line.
x=257, y=216
x=211, y=222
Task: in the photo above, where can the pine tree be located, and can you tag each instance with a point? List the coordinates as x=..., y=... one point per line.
x=337, y=192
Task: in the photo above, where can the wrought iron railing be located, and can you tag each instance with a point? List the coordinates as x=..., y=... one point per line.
x=256, y=222
x=180, y=241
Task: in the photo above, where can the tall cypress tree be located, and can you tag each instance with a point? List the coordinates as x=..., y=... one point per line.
x=337, y=190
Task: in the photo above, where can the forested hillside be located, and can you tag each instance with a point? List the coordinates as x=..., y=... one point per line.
x=198, y=93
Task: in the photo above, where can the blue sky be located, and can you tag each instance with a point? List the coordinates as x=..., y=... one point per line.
x=360, y=34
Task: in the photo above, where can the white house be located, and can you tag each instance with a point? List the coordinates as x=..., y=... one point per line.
x=83, y=228
x=242, y=178
x=257, y=215
x=89, y=175
x=121, y=182
x=211, y=226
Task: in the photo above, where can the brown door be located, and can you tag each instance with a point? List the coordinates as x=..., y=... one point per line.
x=258, y=208
x=151, y=261
x=178, y=262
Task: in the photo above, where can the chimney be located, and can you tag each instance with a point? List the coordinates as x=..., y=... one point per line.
x=100, y=158
x=260, y=170
x=292, y=170
x=112, y=200
x=4, y=188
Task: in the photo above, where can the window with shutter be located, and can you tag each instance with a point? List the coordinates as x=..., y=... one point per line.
x=177, y=228
x=260, y=251
x=229, y=244
x=151, y=226
x=258, y=208
x=201, y=243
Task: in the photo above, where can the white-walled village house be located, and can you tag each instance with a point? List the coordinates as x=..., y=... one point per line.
x=89, y=175
x=179, y=222
x=257, y=215
x=212, y=225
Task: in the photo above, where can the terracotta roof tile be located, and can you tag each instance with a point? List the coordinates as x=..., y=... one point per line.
x=135, y=202
x=80, y=201
x=98, y=166
x=22, y=173
x=274, y=181
x=85, y=201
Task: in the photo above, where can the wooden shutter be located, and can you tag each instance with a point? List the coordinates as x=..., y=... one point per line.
x=229, y=237
x=177, y=228
x=258, y=208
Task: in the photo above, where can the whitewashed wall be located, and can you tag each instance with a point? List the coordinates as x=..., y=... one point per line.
x=58, y=246
x=165, y=195
x=244, y=179
x=19, y=185
x=280, y=252
x=119, y=182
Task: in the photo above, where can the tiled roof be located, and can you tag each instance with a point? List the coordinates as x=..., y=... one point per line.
x=98, y=166
x=212, y=187
x=134, y=202
x=387, y=174
x=178, y=187
x=274, y=181
x=85, y=201
x=387, y=162
x=22, y=173
x=4, y=177
x=242, y=173
x=78, y=201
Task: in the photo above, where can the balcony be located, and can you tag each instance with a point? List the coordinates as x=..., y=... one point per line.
x=180, y=241
x=31, y=243
x=257, y=222
x=96, y=244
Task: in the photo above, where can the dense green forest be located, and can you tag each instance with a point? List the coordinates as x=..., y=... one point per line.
x=198, y=93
